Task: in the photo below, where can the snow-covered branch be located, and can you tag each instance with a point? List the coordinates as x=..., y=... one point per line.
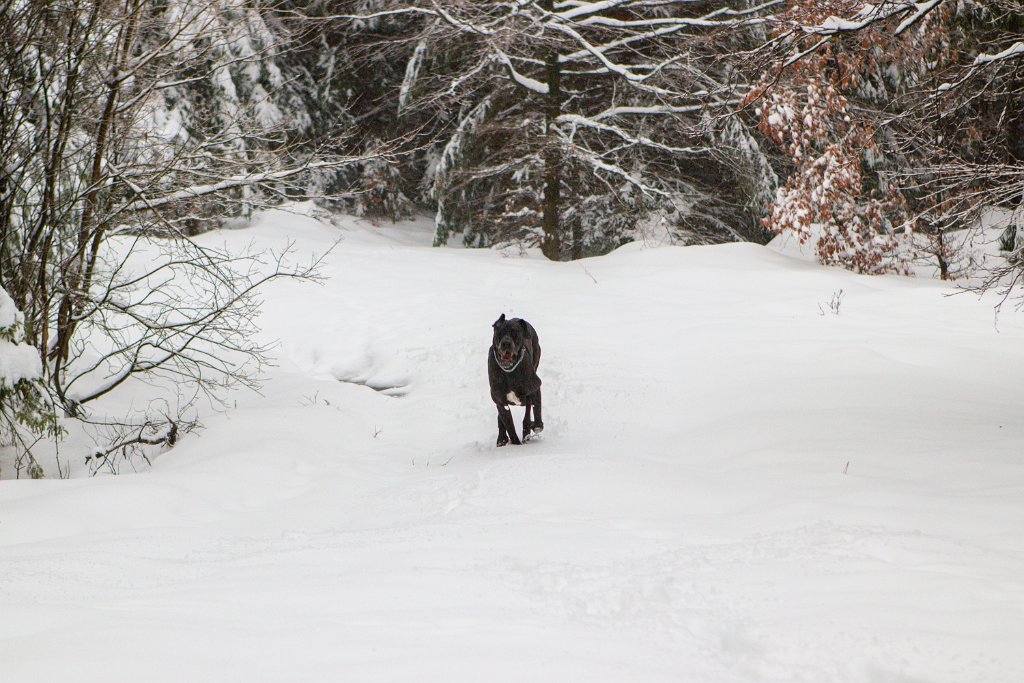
x=648, y=110
x=520, y=79
x=233, y=182
x=870, y=14
x=575, y=120
x=1015, y=51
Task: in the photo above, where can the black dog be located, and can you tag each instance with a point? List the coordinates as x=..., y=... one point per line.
x=512, y=363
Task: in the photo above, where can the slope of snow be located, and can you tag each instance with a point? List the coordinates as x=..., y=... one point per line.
x=736, y=484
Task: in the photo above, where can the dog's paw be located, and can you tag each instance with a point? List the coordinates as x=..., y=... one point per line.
x=502, y=442
x=538, y=427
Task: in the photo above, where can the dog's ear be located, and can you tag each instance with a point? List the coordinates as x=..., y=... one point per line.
x=499, y=320
x=526, y=330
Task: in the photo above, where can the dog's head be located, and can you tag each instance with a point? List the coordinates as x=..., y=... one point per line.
x=509, y=341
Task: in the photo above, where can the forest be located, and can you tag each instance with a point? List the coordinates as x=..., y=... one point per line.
x=275, y=274
x=878, y=133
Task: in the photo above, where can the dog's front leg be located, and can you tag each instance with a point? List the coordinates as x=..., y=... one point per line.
x=538, y=422
x=506, y=427
x=526, y=421
x=502, y=434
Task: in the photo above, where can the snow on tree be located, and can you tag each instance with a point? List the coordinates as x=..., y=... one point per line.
x=926, y=96
x=25, y=410
x=804, y=104
x=967, y=132
x=347, y=78
x=125, y=128
x=566, y=124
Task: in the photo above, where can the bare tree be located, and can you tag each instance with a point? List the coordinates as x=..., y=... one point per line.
x=112, y=160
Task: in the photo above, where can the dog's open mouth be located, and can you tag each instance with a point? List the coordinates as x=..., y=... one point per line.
x=506, y=360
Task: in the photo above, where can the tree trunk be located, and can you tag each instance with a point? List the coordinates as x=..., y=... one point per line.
x=552, y=243
x=77, y=274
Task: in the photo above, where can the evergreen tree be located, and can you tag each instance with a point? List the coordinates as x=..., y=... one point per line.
x=574, y=126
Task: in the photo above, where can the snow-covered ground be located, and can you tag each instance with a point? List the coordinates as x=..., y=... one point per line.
x=738, y=482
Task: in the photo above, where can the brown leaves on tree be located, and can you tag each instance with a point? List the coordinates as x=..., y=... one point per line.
x=804, y=107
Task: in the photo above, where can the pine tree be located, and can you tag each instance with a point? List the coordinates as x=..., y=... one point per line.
x=572, y=126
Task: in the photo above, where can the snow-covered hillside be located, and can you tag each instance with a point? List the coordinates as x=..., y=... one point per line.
x=739, y=481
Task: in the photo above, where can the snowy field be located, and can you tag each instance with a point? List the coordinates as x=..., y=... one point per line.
x=736, y=484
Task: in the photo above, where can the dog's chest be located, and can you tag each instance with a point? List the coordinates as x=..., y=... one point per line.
x=516, y=387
